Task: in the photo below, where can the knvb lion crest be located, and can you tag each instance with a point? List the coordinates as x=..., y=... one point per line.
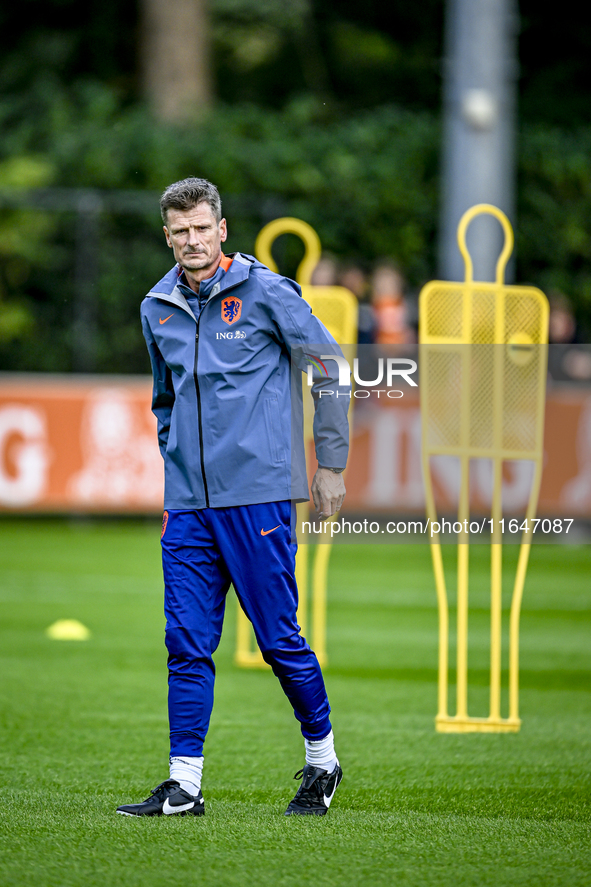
x=231, y=309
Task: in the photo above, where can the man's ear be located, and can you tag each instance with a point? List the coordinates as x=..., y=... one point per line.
x=223, y=230
x=165, y=229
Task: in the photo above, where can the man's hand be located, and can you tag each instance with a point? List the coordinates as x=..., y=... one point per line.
x=328, y=492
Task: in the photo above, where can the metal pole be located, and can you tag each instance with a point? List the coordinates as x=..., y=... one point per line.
x=479, y=109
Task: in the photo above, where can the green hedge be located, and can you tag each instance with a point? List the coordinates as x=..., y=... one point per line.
x=368, y=183
x=554, y=215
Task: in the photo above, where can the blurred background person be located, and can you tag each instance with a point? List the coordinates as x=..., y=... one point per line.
x=354, y=278
x=568, y=359
x=563, y=326
x=392, y=316
x=326, y=271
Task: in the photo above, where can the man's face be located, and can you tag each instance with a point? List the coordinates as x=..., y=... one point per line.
x=195, y=238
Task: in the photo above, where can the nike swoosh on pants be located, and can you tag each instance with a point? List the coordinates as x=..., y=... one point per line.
x=266, y=532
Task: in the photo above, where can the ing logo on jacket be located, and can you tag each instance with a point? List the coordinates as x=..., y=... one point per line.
x=231, y=309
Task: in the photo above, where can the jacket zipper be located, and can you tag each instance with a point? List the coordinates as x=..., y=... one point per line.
x=198, y=393
x=199, y=422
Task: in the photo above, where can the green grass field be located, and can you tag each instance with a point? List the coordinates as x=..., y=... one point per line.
x=84, y=729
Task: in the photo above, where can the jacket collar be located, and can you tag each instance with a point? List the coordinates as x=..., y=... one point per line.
x=222, y=280
x=168, y=289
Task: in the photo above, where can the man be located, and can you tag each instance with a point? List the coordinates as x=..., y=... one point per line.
x=222, y=332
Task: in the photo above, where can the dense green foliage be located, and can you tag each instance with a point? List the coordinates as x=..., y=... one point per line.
x=84, y=727
x=354, y=55
x=367, y=183
x=328, y=111
x=554, y=214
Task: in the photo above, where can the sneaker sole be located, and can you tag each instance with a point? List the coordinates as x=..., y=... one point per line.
x=182, y=813
x=307, y=812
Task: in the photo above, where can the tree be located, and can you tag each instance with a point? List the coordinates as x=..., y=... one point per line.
x=175, y=58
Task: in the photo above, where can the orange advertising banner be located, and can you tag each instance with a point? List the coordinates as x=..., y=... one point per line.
x=88, y=445
x=78, y=444
x=385, y=472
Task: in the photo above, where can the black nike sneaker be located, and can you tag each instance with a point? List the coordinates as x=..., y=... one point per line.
x=166, y=798
x=316, y=791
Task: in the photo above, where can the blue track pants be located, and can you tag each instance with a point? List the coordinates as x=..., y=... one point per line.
x=202, y=553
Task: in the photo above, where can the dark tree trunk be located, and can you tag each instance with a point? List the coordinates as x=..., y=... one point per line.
x=175, y=58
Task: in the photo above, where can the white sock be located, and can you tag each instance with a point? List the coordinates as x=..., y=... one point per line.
x=321, y=753
x=188, y=772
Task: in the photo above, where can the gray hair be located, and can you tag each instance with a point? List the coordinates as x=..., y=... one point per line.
x=189, y=193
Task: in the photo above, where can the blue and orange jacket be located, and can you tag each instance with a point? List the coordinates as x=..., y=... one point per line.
x=228, y=407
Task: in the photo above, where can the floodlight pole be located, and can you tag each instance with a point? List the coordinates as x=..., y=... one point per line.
x=480, y=73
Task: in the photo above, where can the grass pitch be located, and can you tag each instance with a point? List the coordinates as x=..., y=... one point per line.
x=84, y=729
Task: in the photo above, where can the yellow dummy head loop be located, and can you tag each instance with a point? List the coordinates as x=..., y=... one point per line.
x=478, y=210
x=288, y=225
